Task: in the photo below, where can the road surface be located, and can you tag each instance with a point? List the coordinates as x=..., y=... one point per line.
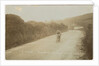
x=47, y=49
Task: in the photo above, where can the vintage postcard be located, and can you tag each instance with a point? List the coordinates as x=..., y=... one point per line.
x=49, y=32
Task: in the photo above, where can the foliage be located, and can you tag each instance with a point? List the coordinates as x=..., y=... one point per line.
x=19, y=32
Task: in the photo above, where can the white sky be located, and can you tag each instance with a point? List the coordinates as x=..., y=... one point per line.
x=47, y=13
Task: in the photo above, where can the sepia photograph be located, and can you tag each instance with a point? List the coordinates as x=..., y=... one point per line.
x=49, y=32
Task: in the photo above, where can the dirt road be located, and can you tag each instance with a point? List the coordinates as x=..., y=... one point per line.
x=48, y=49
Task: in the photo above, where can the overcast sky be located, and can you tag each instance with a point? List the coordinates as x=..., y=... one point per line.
x=47, y=13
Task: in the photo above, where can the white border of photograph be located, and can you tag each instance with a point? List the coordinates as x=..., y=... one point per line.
x=50, y=62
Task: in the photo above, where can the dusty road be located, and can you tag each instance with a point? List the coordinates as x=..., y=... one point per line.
x=48, y=49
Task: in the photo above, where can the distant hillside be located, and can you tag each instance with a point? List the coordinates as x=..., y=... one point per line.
x=78, y=20
x=19, y=32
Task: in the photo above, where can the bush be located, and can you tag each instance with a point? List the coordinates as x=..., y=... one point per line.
x=88, y=41
x=19, y=32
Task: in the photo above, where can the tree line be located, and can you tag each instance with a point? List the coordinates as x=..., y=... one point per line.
x=19, y=32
